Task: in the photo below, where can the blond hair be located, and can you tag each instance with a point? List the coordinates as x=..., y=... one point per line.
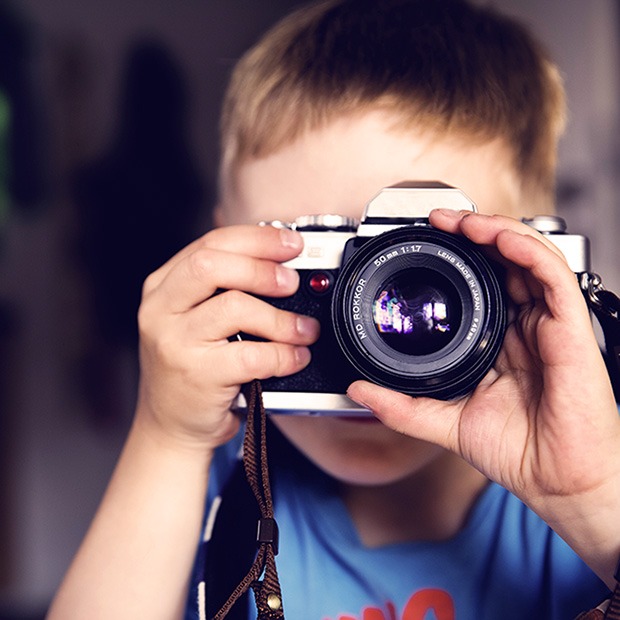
x=448, y=64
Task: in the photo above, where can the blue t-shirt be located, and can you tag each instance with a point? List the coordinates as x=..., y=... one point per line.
x=506, y=564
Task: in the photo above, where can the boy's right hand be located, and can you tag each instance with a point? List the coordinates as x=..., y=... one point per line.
x=190, y=371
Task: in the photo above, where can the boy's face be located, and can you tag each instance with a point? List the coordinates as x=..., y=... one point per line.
x=337, y=170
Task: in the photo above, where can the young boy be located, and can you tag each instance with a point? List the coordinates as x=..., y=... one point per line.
x=403, y=517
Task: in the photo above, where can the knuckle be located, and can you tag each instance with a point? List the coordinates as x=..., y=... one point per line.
x=286, y=325
x=157, y=341
x=208, y=240
x=229, y=301
x=285, y=361
x=146, y=319
x=251, y=358
x=271, y=276
x=167, y=352
x=264, y=360
x=149, y=284
x=201, y=263
x=263, y=275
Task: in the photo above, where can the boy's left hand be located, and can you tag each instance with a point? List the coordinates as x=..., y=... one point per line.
x=543, y=422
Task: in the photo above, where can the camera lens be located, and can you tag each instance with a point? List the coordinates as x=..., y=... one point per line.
x=419, y=311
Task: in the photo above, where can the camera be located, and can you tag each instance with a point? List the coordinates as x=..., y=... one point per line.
x=400, y=303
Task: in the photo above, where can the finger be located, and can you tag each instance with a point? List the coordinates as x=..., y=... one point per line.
x=518, y=286
x=424, y=418
x=200, y=274
x=267, y=242
x=558, y=284
x=240, y=362
x=232, y=312
x=483, y=229
x=560, y=329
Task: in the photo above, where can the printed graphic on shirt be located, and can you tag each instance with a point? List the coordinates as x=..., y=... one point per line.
x=427, y=604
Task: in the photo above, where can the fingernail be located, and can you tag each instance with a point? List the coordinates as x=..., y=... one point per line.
x=286, y=278
x=302, y=356
x=307, y=326
x=453, y=214
x=361, y=403
x=290, y=238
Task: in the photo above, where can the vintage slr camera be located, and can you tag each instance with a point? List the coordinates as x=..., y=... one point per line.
x=400, y=303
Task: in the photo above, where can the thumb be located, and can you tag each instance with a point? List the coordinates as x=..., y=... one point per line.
x=428, y=419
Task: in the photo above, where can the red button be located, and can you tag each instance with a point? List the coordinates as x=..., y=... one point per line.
x=320, y=282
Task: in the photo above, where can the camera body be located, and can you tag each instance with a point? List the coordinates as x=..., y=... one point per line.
x=400, y=303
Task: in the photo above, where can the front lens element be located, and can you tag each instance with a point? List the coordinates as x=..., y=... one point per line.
x=417, y=312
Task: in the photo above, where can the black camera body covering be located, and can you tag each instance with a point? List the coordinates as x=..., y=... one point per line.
x=400, y=303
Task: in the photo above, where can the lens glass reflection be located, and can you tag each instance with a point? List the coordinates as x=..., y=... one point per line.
x=417, y=312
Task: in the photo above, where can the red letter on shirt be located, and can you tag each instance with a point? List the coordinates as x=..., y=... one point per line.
x=424, y=600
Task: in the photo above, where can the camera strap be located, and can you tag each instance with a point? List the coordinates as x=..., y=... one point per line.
x=267, y=591
x=605, y=306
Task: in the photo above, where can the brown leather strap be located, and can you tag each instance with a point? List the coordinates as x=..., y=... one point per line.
x=267, y=590
x=593, y=614
x=613, y=605
x=613, y=611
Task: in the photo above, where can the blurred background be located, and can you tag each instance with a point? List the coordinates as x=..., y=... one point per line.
x=108, y=159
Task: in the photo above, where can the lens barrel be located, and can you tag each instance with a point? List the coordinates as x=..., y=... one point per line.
x=419, y=311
